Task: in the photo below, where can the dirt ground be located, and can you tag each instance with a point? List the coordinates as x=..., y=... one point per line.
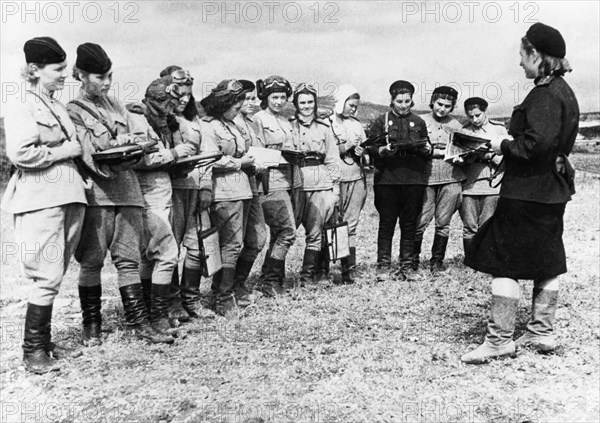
x=370, y=352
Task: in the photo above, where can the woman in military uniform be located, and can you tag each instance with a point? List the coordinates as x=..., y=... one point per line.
x=523, y=239
x=274, y=131
x=231, y=186
x=320, y=179
x=114, y=219
x=46, y=194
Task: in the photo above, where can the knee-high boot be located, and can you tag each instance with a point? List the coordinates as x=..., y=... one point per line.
x=137, y=317
x=540, y=328
x=91, y=311
x=501, y=325
x=37, y=323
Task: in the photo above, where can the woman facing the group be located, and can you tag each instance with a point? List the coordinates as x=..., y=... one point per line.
x=142, y=211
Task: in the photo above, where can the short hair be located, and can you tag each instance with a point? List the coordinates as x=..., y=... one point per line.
x=549, y=65
x=27, y=72
x=77, y=72
x=442, y=96
x=264, y=103
x=402, y=91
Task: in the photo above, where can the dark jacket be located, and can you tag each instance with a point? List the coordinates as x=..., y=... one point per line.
x=544, y=126
x=403, y=167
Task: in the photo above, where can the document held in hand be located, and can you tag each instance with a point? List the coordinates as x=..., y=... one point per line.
x=266, y=157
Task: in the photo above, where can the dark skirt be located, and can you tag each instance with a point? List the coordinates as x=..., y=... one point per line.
x=522, y=240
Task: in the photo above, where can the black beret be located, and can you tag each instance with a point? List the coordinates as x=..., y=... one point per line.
x=401, y=86
x=476, y=101
x=43, y=50
x=547, y=40
x=247, y=85
x=446, y=90
x=92, y=58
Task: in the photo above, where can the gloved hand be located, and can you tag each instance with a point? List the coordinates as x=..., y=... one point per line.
x=205, y=199
x=183, y=150
x=66, y=151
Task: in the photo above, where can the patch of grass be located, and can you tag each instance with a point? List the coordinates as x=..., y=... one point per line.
x=369, y=352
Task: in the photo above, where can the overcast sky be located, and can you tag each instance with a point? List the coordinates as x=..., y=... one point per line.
x=472, y=45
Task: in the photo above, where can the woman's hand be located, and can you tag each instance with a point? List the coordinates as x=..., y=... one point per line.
x=360, y=151
x=496, y=145
x=247, y=161
x=184, y=150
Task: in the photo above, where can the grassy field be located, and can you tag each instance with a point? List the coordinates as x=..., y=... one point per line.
x=371, y=352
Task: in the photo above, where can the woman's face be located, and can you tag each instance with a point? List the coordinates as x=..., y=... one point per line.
x=442, y=107
x=249, y=103
x=477, y=117
x=402, y=103
x=306, y=105
x=96, y=84
x=232, y=112
x=52, y=76
x=186, y=93
x=529, y=63
x=275, y=102
x=350, y=107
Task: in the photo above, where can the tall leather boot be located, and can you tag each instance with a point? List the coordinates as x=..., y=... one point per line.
x=501, y=325
x=35, y=357
x=406, y=272
x=417, y=252
x=348, y=265
x=137, y=317
x=57, y=351
x=242, y=289
x=438, y=252
x=91, y=311
x=323, y=267
x=467, y=245
x=540, y=328
x=159, y=310
x=176, y=310
x=224, y=281
x=147, y=290
x=272, y=279
x=190, y=294
x=309, y=267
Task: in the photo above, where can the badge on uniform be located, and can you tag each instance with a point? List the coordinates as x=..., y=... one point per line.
x=411, y=124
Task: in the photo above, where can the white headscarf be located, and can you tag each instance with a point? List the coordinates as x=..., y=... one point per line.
x=343, y=92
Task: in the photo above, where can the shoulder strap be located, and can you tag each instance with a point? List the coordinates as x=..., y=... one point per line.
x=62, y=128
x=337, y=138
x=387, y=127
x=95, y=116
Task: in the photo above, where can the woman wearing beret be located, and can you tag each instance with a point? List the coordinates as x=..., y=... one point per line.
x=231, y=186
x=402, y=154
x=255, y=235
x=274, y=131
x=348, y=134
x=479, y=196
x=320, y=178
x=46, y=194
x=192, y=193
x=523, y=239
x=444, y=186
x=114, y=219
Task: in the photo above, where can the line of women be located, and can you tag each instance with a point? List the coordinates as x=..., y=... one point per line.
x=146, y=211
